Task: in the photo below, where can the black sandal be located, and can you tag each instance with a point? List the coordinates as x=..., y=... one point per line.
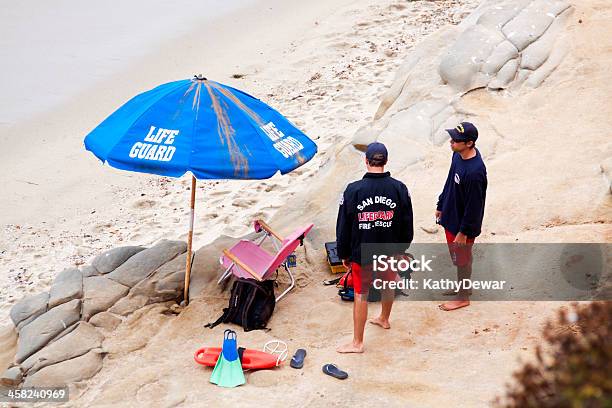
x=331, y=369
x=297, y=361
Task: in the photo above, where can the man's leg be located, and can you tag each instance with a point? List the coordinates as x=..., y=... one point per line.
x=360, y=311
x=463, y=296
x=386, y=301
x=462, y=257
x=360, y=315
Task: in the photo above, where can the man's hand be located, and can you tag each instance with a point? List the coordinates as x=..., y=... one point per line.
x=438, y=216
x=346, y=264
x=460, y=239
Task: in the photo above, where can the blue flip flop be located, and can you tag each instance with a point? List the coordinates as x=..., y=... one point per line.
x=297, y=361
x=331, y=369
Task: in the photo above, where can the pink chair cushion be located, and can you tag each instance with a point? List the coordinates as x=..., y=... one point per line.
x=258, y=259
x=250, y=254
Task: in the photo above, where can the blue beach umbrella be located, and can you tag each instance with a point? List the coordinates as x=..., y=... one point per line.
x=203, y=127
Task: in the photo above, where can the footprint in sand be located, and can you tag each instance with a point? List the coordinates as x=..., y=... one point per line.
x=176, y=203
x=218, y=193
x=135, y=237
x=271, y=187
x=144, y=204
x=209, y=216
x=396, y=7
x=101, y=227
x=341, y=44
x=243, y=203
x=302, y=281
x=260, y=215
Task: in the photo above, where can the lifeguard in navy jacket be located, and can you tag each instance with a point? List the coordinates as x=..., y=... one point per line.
x=461, y=204
x=374, y=210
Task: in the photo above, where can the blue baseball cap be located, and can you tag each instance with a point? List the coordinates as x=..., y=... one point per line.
x=377, y=151
x=463, y=132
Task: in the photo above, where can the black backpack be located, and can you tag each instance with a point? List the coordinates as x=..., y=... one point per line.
x=250, y=305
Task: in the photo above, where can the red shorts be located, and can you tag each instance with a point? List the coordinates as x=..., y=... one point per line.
x=363, y=278
x=460, y=254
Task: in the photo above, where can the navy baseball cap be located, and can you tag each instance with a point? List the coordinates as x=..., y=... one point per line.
x=463, y=132
x=377, y=151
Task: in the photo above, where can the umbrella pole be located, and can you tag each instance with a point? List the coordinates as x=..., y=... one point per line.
x=189, y=240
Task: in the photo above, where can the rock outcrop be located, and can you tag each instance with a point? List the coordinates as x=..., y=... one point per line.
x=100, y=294
x=110, y=260
x=76, y=343
x=29, y=308
x=68, y=371
x=68, y=285
x=141, y=265
x=504, y=44
x=61, y=332
x=37, y=334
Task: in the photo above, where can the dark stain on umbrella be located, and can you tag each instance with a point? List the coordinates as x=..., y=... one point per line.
x=226, y=132
x=229, y=95
x=184, y=98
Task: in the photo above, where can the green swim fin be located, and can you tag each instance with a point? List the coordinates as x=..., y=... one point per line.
x=228, y=370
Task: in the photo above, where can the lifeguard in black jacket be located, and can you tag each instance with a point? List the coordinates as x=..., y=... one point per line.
x=376, y=209
x=461, y=205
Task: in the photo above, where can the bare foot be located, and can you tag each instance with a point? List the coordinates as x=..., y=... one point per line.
x=454, y=305
x=351, y=347
x=379, y=321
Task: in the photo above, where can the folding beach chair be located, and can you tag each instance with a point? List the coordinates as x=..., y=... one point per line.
x=248, y=259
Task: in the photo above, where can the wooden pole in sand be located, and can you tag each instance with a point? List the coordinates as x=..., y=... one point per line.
x=189, y=240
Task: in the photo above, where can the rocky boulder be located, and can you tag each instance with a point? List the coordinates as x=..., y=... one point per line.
x=146, y=262
x=100, y=293
x=68, y=285
x=69, y=371
x=76, y=343
x=12, y=377
x=29, y=308
x=166, y=283
x=39, y=332
x=105, y=320
x=108, y=261
x=504, y=44
x=60, y=333
x=88, y=270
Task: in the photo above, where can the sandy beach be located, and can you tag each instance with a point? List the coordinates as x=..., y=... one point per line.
x=319, y=69
x=326, y=67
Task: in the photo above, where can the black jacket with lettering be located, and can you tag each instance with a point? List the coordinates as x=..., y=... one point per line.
x=462, y=201
x=375, y=209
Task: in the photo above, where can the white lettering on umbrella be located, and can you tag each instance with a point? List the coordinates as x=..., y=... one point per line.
x=157, y=149
x=288, y=146
x=285, y=145
x=272, y=132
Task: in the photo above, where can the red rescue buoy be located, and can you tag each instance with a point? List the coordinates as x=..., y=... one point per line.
x=251, y=359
